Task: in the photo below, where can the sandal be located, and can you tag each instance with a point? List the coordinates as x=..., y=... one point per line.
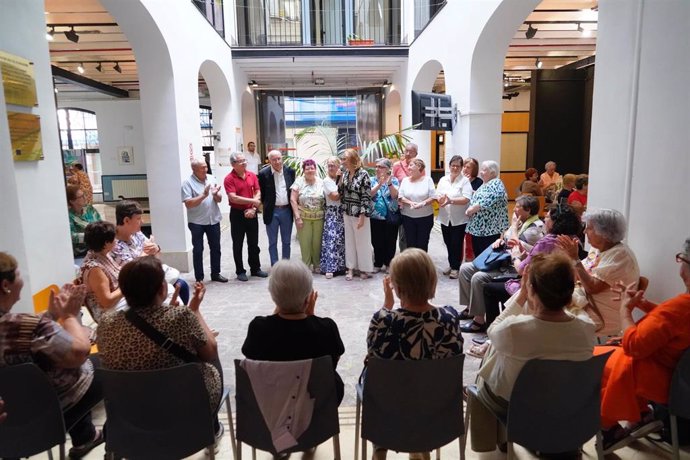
x=465, y=314
x=478, y=351
x=364, y=276
x=348, y=275
x=329, y=276
x=473, y=326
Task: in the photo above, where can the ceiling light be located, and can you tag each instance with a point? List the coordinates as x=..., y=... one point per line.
x=319, y=81
x=530, y=32
x=117, y=68
x=56, y=90
x=538, y=63
x=72, y=35
x=99, y=67
x=80, y=68
x=253, y=84
x=50, y=36
x=386, y=84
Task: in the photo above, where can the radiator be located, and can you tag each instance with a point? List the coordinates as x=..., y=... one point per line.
x=130, y=188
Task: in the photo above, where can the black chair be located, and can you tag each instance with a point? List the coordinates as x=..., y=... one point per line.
x=679, y=399
x=554, y=406
x=35, y=423
x=158, y=414
x=251, y=425
x=411, y=405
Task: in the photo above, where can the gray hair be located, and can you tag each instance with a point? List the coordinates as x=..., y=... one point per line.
x=686, y=247
x=549, y=163
x=491, y=166
x=274, y=152
x=198, y=162
x=385, y=162
x=333, y=159
x=235, y=157
x=608, y=224
x=412, y=145
x=290, y=284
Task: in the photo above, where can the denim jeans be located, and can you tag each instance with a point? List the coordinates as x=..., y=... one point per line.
x=282, y=220
x=213, y=235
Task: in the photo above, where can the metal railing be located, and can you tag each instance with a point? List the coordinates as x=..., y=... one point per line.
x=424, y=12
x=325, y=23
x=213, y=12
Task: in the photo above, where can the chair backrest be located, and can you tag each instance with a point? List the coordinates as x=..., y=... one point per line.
x=555, y=405
x=413, y=405
x=42, y=298
x=679, y=396
x=251, y=426
x=643, y=283
x=157, y=414
x=34, y=423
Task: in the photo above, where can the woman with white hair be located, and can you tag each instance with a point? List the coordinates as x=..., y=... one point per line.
x=549, y=179
x=640, y=369
x=609, y=261
x=293, y=332
x=385, y=216
x=333, y=242
x=488, y=209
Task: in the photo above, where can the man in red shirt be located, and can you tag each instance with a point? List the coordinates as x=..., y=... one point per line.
x=244, y=195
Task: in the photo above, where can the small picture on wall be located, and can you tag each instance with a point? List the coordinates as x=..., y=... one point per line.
x=125, y=155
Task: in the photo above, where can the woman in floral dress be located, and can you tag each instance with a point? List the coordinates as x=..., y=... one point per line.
x=333, y=242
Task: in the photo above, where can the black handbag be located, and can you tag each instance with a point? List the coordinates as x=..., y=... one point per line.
x=393, y=217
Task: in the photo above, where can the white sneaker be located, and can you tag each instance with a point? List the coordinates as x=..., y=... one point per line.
x=447, y=271
x=376, y=270
x=453, y=274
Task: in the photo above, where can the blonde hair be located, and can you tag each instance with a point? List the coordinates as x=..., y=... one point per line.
x=333, y=159
x=569, y=180
x=8, y=267
x=352, y=153
x=414, y=275
x=419, y=162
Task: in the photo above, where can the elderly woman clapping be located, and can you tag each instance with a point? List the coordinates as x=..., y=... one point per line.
x=488, y=209
x=609, y=261
x=293, y=332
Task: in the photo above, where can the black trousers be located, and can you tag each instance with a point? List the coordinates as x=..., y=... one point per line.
x=239, y=227
x=78, y=417
x=454, y=238
x=383, y=238
x=494, y=294
x=479, y=243
x=418, y=230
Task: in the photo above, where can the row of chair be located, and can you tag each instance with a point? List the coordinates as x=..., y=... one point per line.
x=405, y=406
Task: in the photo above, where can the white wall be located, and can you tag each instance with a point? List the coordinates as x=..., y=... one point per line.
x=639, y=161
x=517, y=104
x=119, y=124
x=34, y=227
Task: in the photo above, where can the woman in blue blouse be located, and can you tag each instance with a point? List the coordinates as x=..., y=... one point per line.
x=384, y=232
x=488, y=209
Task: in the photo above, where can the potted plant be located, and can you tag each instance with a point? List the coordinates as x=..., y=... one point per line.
x=354, y=40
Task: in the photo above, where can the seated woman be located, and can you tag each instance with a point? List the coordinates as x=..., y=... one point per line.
x=534, y=325
x=560, y=220
x=640, y=369
x=568, y=186
x=123, y=346
x=80, y=215
x=530, y=186
x=131, y=243
x=293, y=332
x=578, y=197
x=60, y=350
x=524, y=232
x=418, y=329
x=99, y=271
x=609, y=261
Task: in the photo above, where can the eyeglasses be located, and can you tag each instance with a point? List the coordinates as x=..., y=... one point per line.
x=456, y=166
x=680, y=258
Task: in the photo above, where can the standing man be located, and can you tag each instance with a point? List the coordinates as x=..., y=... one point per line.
x=244, y=196
x=275, y=185
x=400, y=171
x=253, y=158
x=201, y=195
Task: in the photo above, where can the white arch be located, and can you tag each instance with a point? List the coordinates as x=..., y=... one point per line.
x=426, y=76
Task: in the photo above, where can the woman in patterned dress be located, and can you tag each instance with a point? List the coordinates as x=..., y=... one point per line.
x=80, y=215
x=418, y=329
x=333, y=242
x=355, y=193
x=99, y=271
x=308, y=201
x=488, y=209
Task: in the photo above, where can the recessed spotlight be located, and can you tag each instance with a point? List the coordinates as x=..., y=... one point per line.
x=80, y=68
x=50, y=35
x=72, y=35
x=530, y=32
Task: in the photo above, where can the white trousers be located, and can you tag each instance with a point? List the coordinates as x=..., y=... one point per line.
x=358, y=250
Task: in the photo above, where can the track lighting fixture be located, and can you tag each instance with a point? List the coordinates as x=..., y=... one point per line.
x=99, y=67
x=80, y=68
x=117, y=68
x=50, y=35
x=72, y=35
x=538, y=63
x=530, y=32
x=386, y=84
x=253, y=84
x=583, y=31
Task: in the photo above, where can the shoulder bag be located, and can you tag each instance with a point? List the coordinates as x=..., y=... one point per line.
x=160, y=339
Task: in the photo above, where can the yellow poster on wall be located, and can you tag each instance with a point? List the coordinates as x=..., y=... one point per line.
x=25, y=135
x=18, y=80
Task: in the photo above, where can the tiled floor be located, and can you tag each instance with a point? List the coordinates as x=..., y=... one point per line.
x=230, y=307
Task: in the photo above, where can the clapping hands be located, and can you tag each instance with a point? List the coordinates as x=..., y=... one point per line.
x=67, y=302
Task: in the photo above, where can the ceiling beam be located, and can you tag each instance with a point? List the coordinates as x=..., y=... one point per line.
x=69, y=77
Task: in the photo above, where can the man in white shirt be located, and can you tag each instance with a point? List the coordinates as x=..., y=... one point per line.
x=275, y=183
x=253, y=158
x=201, y=195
